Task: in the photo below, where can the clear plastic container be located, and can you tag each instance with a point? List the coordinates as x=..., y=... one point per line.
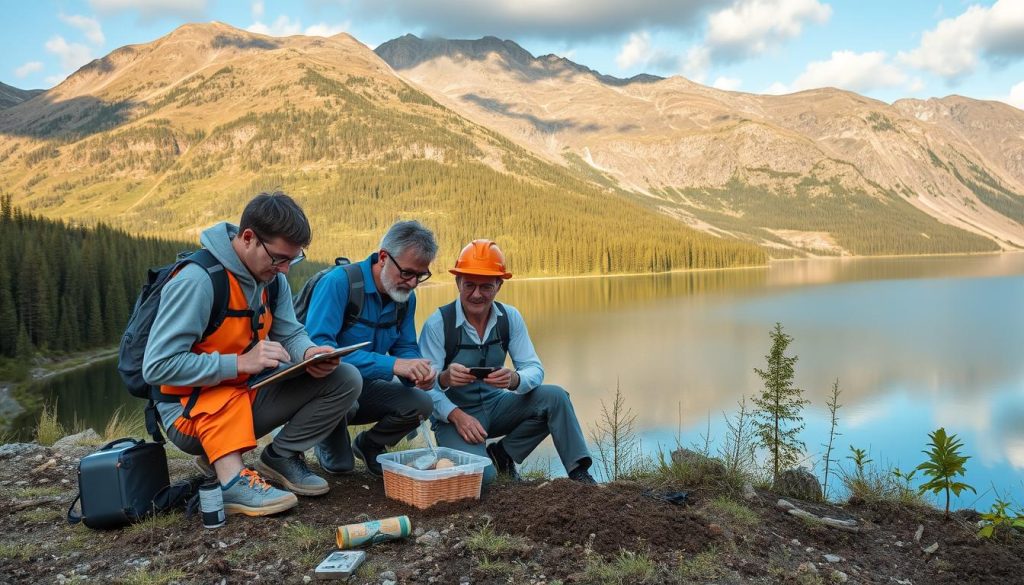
x=399, y=462
x=425, y=488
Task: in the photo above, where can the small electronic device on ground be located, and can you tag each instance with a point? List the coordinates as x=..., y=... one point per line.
x=340, y=564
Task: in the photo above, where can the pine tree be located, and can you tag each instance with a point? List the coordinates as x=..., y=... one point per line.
x=779, y=406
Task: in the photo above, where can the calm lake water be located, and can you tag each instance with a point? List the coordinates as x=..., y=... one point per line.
x=916, y=343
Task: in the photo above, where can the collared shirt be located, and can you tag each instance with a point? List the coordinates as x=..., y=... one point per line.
x=327, y=314
x=520, y=349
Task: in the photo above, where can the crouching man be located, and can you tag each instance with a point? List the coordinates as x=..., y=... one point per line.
x=468, y=341
x=205, y=403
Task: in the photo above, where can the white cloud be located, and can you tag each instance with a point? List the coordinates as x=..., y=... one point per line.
x=727, y=83
x=955, y=46
x=1016, y=97
x=697, y=63
x=257, y=10
x=859, y=72
x=89, y=26
x=777, y=88
x=751, y=27
x=284, y=26
x=72, y=55
x=153, y=9
x=636, y=50
x=28, y=69
x=551, y=19
x=322, y=29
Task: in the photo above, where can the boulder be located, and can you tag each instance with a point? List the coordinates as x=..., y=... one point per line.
x=11, y=450
x=86, y=437
x=798, y=483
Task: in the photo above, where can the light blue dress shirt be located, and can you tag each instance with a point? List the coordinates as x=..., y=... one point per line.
x=520, y=349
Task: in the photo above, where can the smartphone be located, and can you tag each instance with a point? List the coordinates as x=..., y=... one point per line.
x=482, y=373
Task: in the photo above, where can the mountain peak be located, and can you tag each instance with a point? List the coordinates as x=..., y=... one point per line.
x=410, y=51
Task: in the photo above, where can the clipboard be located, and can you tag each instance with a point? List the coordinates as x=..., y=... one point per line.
x=286, y=371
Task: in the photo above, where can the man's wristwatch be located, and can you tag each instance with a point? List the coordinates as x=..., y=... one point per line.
x=519, y=380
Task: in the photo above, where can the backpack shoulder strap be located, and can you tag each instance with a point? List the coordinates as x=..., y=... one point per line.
x=451, y=336
x=356, y=294
x=504, y=330
x=219, y=278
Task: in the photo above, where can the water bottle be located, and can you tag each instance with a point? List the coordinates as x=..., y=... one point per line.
x=211, y=502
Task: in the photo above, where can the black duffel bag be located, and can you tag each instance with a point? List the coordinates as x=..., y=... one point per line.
x=121, y=483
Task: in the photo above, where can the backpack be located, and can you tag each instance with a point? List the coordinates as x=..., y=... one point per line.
x=136, y=334
x=452, y=336
x=356, y=296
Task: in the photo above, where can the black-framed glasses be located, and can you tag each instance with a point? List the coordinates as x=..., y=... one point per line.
x=486, y=289
x=278, y=260
x=409, y=274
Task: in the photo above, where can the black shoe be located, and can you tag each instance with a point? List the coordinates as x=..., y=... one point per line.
x=583, y=476
x=367, y=453
x=503, y=463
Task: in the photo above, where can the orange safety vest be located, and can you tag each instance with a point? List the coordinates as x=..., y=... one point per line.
x=242, y=329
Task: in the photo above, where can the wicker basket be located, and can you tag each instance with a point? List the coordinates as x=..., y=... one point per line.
x=423, y=489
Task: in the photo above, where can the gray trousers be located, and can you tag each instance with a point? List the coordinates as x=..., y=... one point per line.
x=308, y=407
x=396, y=408
x=524, y=420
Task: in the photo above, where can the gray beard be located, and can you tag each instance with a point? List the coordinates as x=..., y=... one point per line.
x=398, y=295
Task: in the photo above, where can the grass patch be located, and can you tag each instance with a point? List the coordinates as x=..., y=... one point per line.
x=151, y=524
x=305, y=540
x=41, y=515
x=702, y=566
x=23, y=551
x=152, y=577
x=488, y=542
x=28, y=493
x=80, y=537
x=124, y=425
x=627, y=568
x=49, y=430
x=733, y=511
x=496, y=568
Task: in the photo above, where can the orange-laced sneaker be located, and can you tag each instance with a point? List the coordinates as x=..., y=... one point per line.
x=250, y=494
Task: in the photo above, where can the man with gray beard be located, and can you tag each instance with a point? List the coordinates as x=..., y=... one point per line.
x=395, y=374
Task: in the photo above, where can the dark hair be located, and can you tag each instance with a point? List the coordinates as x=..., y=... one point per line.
x=276, y=215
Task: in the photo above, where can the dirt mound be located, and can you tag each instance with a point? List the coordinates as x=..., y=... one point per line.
x=619, y=516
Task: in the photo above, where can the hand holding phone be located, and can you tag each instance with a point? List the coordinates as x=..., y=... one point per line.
x=482, y=372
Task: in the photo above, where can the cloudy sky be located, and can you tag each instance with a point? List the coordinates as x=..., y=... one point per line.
x=883, y=49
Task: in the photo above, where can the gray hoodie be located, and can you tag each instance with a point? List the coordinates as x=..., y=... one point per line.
x=185, y=305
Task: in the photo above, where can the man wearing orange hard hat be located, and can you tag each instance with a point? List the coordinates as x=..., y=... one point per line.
x=468, y=341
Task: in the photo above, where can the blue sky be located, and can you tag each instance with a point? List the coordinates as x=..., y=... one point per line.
x=886, y=50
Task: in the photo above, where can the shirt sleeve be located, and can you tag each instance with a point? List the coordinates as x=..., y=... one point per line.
x=185, y=304
x=286, y=328
x=432, y=348
x=521, y=350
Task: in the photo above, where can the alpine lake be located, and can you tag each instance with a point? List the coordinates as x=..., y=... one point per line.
x=916, y=344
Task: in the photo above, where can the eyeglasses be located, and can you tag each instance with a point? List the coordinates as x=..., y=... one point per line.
x=487, y=289
x=277, y=260
x=409, y=274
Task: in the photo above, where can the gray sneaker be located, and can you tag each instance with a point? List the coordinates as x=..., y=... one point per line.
x=292, y=473
x=249, y=494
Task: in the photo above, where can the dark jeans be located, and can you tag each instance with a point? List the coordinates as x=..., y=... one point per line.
x=396, y=408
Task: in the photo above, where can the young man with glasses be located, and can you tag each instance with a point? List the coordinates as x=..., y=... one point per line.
x=206, y=405
x=468, y=341
x=395, y=375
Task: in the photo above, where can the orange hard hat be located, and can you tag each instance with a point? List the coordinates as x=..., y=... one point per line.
x=481, y=258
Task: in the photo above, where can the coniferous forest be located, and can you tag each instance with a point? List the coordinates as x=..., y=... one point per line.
x=65, y=287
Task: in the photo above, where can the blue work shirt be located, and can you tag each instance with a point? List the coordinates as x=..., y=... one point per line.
x=520, y=348
x=327, y=314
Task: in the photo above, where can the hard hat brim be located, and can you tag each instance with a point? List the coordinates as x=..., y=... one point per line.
x=480, y=272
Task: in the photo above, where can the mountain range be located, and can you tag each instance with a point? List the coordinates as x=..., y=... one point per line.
x=559, y=162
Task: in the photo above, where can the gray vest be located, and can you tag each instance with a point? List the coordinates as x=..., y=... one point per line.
x=473, y=355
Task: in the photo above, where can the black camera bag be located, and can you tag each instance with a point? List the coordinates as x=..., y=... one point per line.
x=118, y=484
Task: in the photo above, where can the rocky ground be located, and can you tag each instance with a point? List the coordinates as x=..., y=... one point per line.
x=539, y=532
